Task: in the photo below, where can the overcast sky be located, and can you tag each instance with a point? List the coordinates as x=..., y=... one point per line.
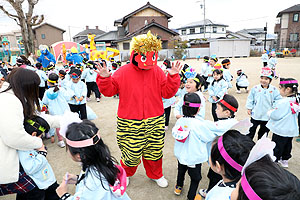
x=74, y=15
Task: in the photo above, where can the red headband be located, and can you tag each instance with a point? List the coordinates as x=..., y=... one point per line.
x=227, y=105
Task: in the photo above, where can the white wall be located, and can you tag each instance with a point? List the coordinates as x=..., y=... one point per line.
x=198, y=36
x=285, y=20
x=230, y=48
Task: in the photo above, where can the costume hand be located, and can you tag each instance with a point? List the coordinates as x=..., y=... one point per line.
x=70, y=179
x=62, y=189
x=175, y=69
x=249, y=111
x=76, y=98
x=102, y=71
x=81, y=98
x=46, y=58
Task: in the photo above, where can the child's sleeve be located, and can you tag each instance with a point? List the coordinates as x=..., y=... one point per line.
x=277, y=96
x=205, y=134
x=84, y=73
x=223, y=89
x=250, y=100
x=278, y=112
x=44, y=76
x=211, y=90
x=178, y=107
x=32, y=162
x=45, y=99
x=84, y=91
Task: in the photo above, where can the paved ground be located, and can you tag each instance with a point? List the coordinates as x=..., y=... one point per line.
x=140, y=186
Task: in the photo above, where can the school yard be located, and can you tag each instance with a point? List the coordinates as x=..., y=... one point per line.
x=141, y=187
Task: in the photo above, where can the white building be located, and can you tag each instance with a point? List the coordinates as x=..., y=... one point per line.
x=195, y=30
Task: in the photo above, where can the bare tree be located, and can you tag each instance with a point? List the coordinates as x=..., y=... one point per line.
x=25, y=20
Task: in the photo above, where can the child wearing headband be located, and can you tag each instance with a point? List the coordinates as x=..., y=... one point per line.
x=100, y=178
x=55, y=99
x=226, y=73
x=226, y=109
x=89, y=75
x=62, y=81
x=272, y=64
x=36, y=166
x=205, y=68
x=190, y=149
x=265, y=180
x=212, y=62
x=193, y=84
x=228, y=155
x=261, y=99
x=284, y=120
x=78, y=91
x=241, y=81
x=265, y=58
x=217, y=89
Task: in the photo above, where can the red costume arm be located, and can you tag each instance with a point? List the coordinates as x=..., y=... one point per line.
x=108, y=86
x=170, y=85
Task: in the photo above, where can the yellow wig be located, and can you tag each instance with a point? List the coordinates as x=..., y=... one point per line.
x=145, y=43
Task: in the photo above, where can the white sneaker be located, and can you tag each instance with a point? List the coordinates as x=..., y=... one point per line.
x=61, y=144
x=98, y=100
x=166, y=128
x=161, y=182
x=284, y=163
x=238, y=91
x=47, y=135
x=127, y=181
x=203, y=192
x=88, y=99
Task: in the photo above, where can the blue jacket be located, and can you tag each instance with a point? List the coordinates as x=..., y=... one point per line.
x=91, y=188
x=180, y=93
x=57, y=101
x=265, y=57
x=204, y=69
x=74, y=57
x=272, y=63
x=261, y=100
x=218, y=89
x=219, y=128
x=193, y=151
x=242, y=80
x=228, y=77
x=78, y=89
x=282, y=121
x=200, y=114
x=89, y=75
x=43, y=77
x=43, y=60
x=37, y=167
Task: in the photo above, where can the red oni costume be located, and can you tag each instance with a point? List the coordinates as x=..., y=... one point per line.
x=141, y=85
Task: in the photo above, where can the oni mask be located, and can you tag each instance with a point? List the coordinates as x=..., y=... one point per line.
x=146, y=61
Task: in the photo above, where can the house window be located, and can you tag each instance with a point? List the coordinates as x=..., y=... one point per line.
x=183, y=32
x=296, y=17
x=294, y=37
x=192, y=31
x=126, y=46
x=43, y=36
x=222, y=29
x=214, y=29
x=201, y=30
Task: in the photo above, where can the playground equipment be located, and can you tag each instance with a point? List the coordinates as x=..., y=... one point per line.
x=6, y=53
x=59, y=50
x=96, y=54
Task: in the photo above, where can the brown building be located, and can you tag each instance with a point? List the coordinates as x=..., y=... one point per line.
x=47, y=34
x=82, y=37
x=140, y=21
x=288, y=29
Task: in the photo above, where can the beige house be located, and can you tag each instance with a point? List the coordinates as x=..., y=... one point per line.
x=47, y=34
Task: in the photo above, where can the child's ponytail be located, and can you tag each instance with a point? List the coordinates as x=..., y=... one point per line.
x=53, y=78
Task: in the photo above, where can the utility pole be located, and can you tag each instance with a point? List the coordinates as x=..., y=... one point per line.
x=265, y=30
x=70, y=33
x=202, y=6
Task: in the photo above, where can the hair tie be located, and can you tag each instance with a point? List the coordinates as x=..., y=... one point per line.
x=226, y=156
x=227, y=105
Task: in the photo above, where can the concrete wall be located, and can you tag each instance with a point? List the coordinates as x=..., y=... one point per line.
x=230, y=48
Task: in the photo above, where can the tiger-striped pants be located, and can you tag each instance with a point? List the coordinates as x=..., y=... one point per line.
x=142, y=138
